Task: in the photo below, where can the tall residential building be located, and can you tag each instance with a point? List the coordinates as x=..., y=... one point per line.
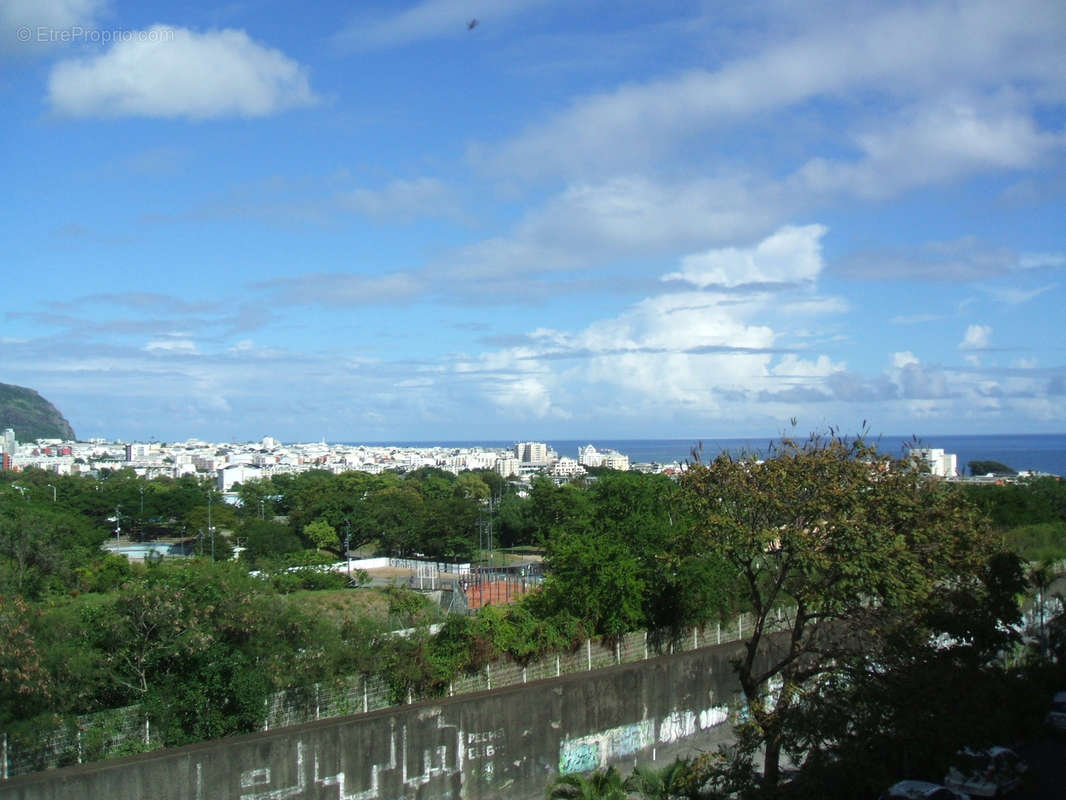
x=531, y=452
x=589, y=456
x=10, y=445
x=944, y=465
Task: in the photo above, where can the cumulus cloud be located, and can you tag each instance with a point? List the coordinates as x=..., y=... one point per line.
x=791, y=255
x=976, y=337
x=176, y=72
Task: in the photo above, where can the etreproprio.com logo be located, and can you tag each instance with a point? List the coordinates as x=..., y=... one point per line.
x=76, y=33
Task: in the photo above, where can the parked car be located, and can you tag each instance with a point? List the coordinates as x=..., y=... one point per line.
x=921, y=790
x=1056, y=715
x=986, y=773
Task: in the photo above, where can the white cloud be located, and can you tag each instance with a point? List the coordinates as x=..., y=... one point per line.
x=590, y=224
x=914, y=50
x=792, y=366
x=791, y=255
x=176, y=72
x=403, y=199
x=173, y=345
x=957, y=260
x=31, y=25
x=904, y=358
x=976, y=337
x=1041, y=260
x=1014, y=296
x=938, y=142
x=339, y=289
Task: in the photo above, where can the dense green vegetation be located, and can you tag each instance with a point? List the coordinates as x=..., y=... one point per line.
x=990, y=468
x=30, y=415
x=873, y=566
x=1029, y=514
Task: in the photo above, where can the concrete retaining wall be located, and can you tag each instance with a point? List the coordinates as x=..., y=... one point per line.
x=509, y=742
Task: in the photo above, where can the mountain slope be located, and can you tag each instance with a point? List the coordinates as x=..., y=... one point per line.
x=30, y=415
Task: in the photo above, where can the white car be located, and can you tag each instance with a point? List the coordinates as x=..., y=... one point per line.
x=1056, y=715
x=921, y=790
x=986, y=773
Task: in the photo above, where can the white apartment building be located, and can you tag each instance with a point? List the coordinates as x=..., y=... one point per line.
x=507, y=466
x=941, y=464
x=566, y=467
x=589, y=456
x=531, y=452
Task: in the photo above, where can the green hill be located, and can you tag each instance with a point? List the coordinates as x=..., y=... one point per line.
x=30, y=415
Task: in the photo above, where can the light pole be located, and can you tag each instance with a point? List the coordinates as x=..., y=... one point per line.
x=118, y=525
x=348, y=548
x=50, y=486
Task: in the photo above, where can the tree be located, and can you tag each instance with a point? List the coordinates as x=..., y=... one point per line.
x=598, y=785
x=266, y=539
x=663, y=783
x=322, y=534
x=838, y=545
x=990, y=467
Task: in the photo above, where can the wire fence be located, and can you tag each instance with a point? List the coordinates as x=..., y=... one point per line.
x=122, y=731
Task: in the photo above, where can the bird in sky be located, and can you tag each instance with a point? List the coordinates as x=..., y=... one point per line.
x=472, y=24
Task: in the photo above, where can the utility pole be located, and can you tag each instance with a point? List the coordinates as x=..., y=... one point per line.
x=210, y=527
x=348, y=548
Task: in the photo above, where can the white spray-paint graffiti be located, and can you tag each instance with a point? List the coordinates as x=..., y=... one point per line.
x=591, y=752
x=440, y=761
x=596, y=750
x=483, y=744
x=682, y=724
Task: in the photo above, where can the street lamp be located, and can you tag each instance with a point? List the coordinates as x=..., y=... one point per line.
x=210, y=527
x=348, y=548
x=50, y=486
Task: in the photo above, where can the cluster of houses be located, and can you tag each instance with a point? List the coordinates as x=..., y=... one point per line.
x=234, y=463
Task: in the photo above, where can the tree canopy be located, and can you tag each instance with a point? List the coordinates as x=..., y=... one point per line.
x=838, y=546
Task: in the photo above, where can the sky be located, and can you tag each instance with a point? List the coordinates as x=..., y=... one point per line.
x=534, y=219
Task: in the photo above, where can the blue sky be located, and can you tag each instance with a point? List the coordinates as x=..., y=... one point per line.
x=572, y=220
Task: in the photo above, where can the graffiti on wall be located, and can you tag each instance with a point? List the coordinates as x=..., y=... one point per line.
x=411, y=768
x=591, y=752
x=595, y=751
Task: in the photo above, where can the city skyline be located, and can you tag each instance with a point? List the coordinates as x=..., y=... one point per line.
x=593, y=220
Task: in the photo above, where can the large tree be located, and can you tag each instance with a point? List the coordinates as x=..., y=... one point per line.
x=839, y=549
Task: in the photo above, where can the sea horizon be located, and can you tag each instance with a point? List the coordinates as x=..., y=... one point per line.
x=1043, y=452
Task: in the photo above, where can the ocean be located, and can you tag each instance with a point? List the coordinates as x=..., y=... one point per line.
x=1042, y=452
